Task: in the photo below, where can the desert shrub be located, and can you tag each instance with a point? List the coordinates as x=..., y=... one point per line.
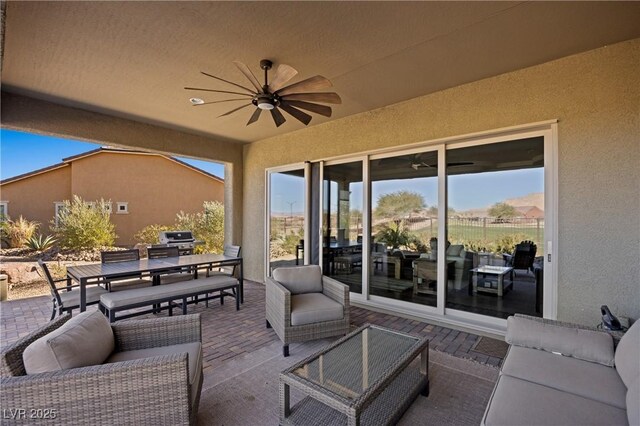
x=41, y=243
x=207, y=226
x=18, y=232
x=151, y=234
x=290, y=242
x=507, y=243
x=84, y=225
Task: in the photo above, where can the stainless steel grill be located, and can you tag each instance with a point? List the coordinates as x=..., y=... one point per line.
x=182, y=239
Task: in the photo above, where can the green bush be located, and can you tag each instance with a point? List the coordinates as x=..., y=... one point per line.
x=207, y=226
x=84, y=225
x=18, y=232
x=507, y=243
x=151, y=234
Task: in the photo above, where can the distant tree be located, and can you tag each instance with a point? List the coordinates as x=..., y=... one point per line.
x=433, y=211
x=398, y=205
x=502, y=211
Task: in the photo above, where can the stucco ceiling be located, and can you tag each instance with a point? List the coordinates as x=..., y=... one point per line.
x=132, y=59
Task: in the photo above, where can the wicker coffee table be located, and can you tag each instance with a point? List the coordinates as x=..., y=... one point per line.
x=368, y=377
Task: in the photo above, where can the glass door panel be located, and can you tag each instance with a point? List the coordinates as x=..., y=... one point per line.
x=495, y=227
x=404, y=225
x=342, y=223
x=286, y=218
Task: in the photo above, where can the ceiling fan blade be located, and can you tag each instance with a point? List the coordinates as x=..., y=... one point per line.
x=229, y=82
x=218, y=91
x=234, y=110
x=247, y=73
x=296, y=113
x=278, y=118
x=311, y=84
x=283, y=74
x=325, y=98
x=217, y=102
x=318, y=109
x=254, y=116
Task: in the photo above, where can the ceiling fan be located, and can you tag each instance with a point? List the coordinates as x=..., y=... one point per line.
x=418, y=161
x=274, y=95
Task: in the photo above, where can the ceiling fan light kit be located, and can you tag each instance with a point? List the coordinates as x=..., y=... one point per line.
x=274, y=96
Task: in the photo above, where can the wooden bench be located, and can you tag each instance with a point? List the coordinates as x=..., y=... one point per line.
x=111, y=303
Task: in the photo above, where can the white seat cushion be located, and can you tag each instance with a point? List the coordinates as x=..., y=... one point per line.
x=72, y=298
x=311, y=308
x=587, y=379
x=518, y=402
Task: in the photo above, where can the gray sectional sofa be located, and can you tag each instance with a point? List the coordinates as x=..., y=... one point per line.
x=561, y=374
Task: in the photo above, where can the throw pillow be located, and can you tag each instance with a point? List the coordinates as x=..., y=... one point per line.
x=84, y=340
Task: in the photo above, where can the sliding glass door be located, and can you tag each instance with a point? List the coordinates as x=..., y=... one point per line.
x=286, y=218
x=404, y=227
x=342, y=224
x=453, y=230
x=495, y=227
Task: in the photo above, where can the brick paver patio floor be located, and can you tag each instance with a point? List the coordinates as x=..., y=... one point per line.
x=228, y=333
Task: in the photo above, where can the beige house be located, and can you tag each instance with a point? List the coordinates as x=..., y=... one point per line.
x=433, y=78
x=143, y=188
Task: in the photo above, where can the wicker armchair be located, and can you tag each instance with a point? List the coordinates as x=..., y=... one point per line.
x=153, y=390
x=295, y=296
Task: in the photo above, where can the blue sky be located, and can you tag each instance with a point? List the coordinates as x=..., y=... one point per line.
x=24, y=152
x=471, y=191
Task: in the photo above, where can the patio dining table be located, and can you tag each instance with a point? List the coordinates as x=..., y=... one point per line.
x=85, y=274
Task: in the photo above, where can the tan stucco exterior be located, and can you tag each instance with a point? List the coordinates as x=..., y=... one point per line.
x=33, y=198
x=155, y=188
x=596, y=98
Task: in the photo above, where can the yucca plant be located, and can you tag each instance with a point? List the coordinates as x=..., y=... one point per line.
x=41, y=243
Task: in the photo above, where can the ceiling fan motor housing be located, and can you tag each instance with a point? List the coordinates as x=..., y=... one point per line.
x=265, y=101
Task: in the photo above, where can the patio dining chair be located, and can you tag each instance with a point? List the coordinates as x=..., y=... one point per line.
x=231, y=251
x=130, y=281
x=177, y=275
x=523, y=257
x=67, y=298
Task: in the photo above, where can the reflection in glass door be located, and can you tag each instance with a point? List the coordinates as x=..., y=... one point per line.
x=342, y=223
x=496, y=227
x=404, y=224
x=286, y=218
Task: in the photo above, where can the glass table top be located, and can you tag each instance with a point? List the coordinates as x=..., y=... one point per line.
x=351, y=367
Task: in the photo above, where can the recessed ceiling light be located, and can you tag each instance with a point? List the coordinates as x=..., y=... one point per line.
x=196, y=101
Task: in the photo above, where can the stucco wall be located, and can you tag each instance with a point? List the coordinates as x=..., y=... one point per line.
x=595, y=95
x=36, y=116
x=34, y=198
x=155, y=188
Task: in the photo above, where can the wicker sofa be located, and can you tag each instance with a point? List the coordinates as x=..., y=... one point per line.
x=563, y=374
x=154, y=375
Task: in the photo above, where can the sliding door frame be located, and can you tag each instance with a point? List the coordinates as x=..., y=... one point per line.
x=547, y=129
x=305, y=166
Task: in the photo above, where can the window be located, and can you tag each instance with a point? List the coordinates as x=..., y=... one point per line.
x=122, y=207
x=58, y=208
x=107, y=208
x=4, y=210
